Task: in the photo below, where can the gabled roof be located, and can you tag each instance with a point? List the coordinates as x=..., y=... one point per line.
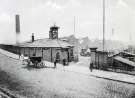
x=123, y=60
x=128, y=53
x=113, y=54
x=46, y=43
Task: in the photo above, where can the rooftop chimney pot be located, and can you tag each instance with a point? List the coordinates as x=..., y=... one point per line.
x=33, y=37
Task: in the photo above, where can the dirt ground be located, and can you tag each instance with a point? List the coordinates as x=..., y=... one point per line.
x=57, y=83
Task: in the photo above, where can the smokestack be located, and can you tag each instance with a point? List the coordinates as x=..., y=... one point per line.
x=33, y=37
x=17, y=23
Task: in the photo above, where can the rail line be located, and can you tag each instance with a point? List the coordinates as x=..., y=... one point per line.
x=6, y=93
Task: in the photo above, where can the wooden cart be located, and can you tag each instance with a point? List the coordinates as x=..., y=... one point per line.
x=37, y=62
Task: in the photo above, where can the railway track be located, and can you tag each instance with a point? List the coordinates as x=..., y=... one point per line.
x=6, y=94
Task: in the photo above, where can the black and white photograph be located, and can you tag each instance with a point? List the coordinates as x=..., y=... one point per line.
x=67, y=49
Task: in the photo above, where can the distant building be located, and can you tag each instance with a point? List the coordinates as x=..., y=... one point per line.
x=121, y=60
x=85, y=52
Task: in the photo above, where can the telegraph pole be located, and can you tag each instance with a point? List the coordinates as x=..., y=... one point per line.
x=112, y=34
x=75, y=46
x=74, y=36
x=74, y=26
x=103, y=25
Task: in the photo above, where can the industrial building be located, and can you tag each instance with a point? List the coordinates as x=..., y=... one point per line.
x=49, y=49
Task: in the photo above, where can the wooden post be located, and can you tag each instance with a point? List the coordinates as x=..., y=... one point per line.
x=98, y=62
x=103, y=25
x=35, y=50
x=29, y=52
x=95, y=57
x=42, y=52
x=51, y=54
x=24, y=51
x=19, y=51
x=68, y=55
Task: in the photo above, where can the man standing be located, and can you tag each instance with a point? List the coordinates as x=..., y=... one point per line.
x=64, y=62
x=55, y=63
x=91, y=66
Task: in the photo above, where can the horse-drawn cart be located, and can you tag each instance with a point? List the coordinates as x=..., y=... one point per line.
x=36, y=62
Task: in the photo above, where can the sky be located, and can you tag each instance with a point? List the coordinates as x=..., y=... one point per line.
x=36, y=16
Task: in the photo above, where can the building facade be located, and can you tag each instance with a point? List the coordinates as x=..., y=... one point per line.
x=99, y=58
x=49, y=49
x=121, y=61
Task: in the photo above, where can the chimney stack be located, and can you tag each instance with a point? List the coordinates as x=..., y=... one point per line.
x=17, y=24
x=33, y=37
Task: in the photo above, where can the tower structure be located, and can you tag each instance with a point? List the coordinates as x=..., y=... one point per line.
x=53, y=33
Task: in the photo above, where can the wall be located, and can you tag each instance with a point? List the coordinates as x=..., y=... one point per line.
x=48, y=54
x=66, y=53
x=10, y=48
x=62, y=52
x=99, y=58
x=122, y=66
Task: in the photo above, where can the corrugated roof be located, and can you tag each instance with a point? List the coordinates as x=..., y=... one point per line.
x=123, y=60
x=46, y=43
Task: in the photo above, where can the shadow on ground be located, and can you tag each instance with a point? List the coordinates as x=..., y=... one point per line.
x=33, y=67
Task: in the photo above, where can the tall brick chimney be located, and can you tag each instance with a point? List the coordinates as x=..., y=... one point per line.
x=17, y=28
x=17, y=19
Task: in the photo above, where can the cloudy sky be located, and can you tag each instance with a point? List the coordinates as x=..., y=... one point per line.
x=36, y=16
